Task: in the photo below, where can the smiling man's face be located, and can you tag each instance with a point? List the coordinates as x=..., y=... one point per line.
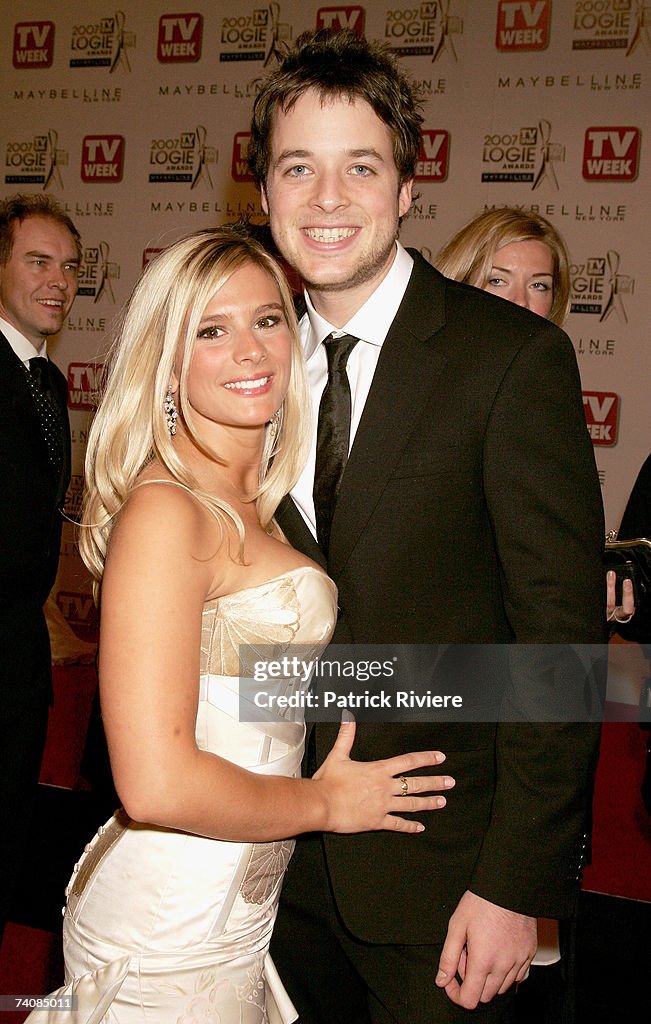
x=38, y=283
x=334, y=197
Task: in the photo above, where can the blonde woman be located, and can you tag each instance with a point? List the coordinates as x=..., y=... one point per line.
x=516, y=254
x=198, y=436
x=520, y=256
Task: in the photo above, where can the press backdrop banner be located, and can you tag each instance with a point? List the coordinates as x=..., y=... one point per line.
x=135, y=116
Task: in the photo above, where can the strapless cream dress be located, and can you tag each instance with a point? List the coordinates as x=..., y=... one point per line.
x=162, y=926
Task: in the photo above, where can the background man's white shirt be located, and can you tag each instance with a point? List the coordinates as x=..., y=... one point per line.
x=21, y=346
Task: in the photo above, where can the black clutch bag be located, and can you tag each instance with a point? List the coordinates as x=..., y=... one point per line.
x=631, y=559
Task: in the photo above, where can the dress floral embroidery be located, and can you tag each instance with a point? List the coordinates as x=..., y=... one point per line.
x=266, y=869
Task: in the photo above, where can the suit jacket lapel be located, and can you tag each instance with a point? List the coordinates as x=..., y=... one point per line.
x=62, y=393
x=406, y=373
x=19, y=396
x=297, y=531
x=12, y=375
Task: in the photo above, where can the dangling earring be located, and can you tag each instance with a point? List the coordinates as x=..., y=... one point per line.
x=171, y=414
x=275, y=424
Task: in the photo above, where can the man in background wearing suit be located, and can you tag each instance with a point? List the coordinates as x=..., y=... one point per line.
x=40, y=253
x=468, y=512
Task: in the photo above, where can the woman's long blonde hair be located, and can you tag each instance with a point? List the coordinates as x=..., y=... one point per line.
x=130, y=428
x=470, y=254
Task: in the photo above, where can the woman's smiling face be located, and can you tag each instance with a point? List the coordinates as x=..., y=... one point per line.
x=241, y=364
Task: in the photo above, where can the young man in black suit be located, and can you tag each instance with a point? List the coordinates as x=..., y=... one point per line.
x=468, y=512
x=40, y=252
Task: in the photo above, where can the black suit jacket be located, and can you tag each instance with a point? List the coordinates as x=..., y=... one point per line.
x=30, y=534
x=469, y=512
x=636, y=522
x=30, y=528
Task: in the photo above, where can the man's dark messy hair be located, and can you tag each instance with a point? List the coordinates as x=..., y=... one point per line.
x=339, y=64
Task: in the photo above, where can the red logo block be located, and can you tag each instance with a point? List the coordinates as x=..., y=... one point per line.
x=148, y=255
x=83, y=385
x=602, y=414
x=102, y=158
x=433, y=158
x=341, y=17
x=179, y=38
x=611, y=154
x=79, y=609
x=34, y=44
x=523, y=24
x=239, y=165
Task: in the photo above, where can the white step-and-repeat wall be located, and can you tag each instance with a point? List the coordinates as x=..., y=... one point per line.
x=136, y=119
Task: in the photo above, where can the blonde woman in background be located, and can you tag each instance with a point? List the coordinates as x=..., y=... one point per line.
x=516, y=254
x=520, y=256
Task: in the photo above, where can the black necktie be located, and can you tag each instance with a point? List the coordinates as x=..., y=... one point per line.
x=333, y=435
x=40, y=385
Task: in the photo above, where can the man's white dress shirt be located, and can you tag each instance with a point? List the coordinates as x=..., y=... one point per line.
x=371, y=325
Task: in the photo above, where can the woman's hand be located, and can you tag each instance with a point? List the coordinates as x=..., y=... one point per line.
x=623, y=612
x=366, y=796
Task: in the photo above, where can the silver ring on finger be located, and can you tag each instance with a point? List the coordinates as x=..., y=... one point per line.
x=404, y=786
x=624, y=620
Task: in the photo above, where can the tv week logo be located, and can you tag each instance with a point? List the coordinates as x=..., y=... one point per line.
x=602, y=414
x=102, y=158
x=179, y=38
x=83, y=385
x=341, y=17
x=148, y=255
x=239, y=164
x=523, y=24
x=611, y=154
x=79, y=610
x=433, y=157
x=34, y=44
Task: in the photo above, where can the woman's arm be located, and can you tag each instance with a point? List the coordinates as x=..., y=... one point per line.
x=165, y=558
